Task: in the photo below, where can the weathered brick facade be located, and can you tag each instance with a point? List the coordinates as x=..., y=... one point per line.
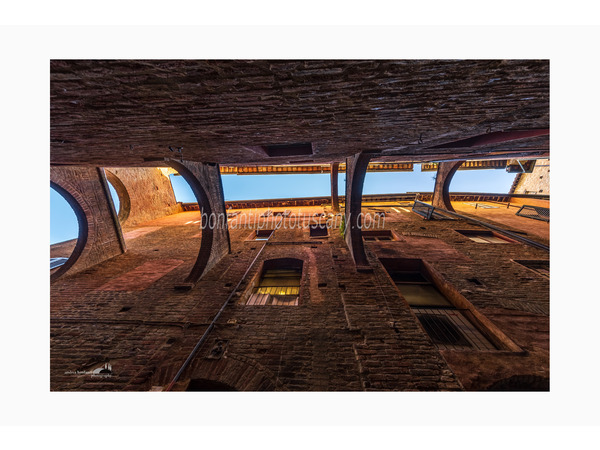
x=146, y=194
x=350, y=331
x=100, y=235
x=170, y=312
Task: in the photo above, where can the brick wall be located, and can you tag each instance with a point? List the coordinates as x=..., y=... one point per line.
x=150, y=194
x=351, y=331
x=536, y=182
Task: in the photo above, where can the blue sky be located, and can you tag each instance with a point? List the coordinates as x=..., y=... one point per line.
x=255, y=187
x=63, y=222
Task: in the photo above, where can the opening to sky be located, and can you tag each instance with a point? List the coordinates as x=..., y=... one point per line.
x=63, y=221
x=114, y=196
x=64, y=226
x=260, y=187
x=488, y=181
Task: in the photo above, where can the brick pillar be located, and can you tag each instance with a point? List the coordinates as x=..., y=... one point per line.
x=205, y=181
x=441, y=194
x=100, y=237
x=356, y=169
x=335, y=202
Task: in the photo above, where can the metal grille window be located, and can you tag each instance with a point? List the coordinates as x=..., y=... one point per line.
x=277, y=287
x=534, y=212
x=448, y=327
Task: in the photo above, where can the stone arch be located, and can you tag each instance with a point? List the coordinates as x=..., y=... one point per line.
x=235, y=373
x=71, y=196
x=124, y=199
x=276, y=263
x=203, y=179
x=521, y=383
x=356, y=169
x=441, y=192
x=202, y=384
x=100, y=238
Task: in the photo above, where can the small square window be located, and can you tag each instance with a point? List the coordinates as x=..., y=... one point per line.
x=377, y=235
x=318, y=230
x=262, y=235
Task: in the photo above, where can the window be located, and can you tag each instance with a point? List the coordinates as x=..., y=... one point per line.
x=485, y=236
x=296, y=149
x=318, y=230
x=378, y=235
x=279, y=283
x=448, y=327
x=262, y=235
x=539, y=266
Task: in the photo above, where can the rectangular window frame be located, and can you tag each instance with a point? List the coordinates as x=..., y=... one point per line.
x=485, y=236
x=490, y=332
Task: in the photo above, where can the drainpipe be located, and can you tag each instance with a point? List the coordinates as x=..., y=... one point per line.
x=212, y=324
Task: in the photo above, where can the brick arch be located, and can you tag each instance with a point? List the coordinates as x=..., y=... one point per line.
x=238, y=374
x=521, y=383
x=124, y=199
x=206, y=210
x=356, y=169
x=276, y=263
x=443, y=178
x=100, y=237
x=79, y=206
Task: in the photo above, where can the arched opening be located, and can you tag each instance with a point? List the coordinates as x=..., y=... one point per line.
x=204, y=385
x=119, y=196
x=68, y=230
x=521, y=383
x=207, y=234
x=485, y=181
x=278, y=283
x=399, y=182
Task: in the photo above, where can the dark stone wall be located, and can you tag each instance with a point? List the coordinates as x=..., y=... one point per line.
x=355, y=177
x=225, y=111
x=102, y=238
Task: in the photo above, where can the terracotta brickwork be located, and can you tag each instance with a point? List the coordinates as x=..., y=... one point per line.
x=350, y=330
x=536, y=182
x=100, y=233
x=150, y=194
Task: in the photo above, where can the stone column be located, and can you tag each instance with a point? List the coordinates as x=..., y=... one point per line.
x=441, y=194
x=356, y=169
x=335, y=201
x=205, y=181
